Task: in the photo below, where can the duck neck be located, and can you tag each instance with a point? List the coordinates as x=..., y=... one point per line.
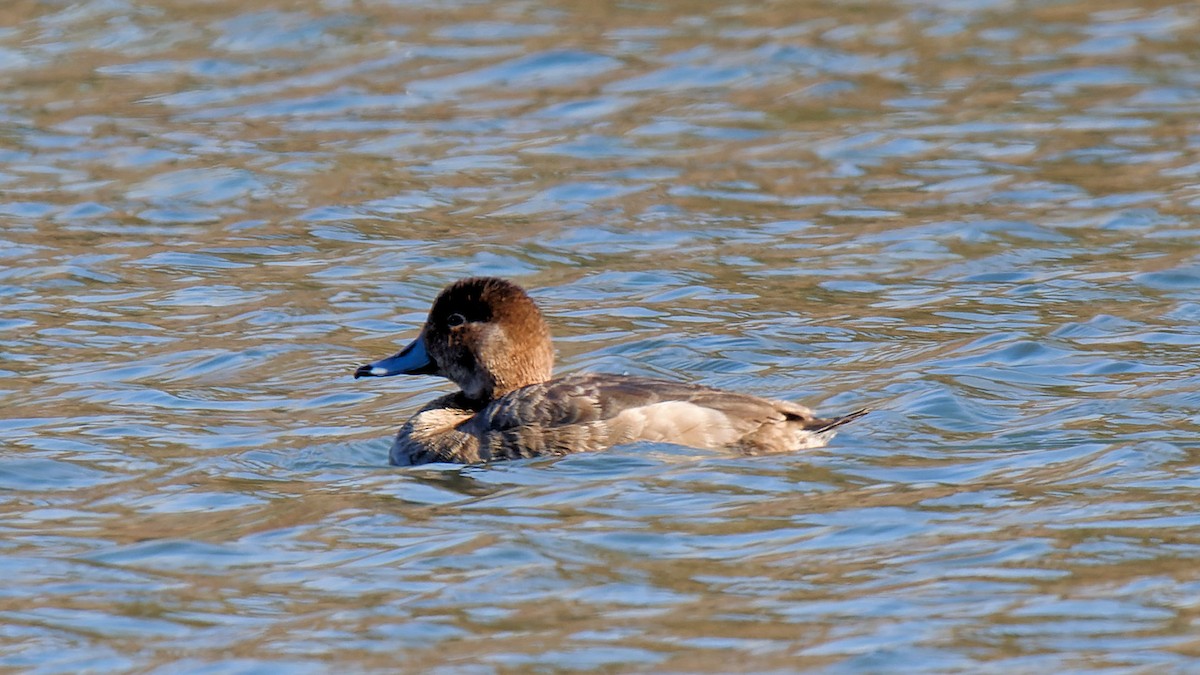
x=505, y=365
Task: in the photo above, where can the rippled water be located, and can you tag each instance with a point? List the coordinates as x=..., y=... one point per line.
x=978, y=217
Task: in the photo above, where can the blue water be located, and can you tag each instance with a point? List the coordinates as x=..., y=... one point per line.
x=975, y=218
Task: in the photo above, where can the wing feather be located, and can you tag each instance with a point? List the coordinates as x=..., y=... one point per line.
x=586, y=398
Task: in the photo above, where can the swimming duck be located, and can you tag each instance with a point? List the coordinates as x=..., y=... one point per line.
x=487, y=336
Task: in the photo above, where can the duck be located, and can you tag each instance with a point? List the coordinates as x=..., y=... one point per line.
x=488, y=337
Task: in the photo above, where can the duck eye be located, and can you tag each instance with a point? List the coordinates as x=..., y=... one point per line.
x=455, y=320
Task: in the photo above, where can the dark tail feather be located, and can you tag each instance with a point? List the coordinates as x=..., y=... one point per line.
x=817, y=426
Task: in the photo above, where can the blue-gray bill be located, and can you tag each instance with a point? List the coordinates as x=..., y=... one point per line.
x=412, y=360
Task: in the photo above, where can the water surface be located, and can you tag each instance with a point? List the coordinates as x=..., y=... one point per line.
x=976, y=217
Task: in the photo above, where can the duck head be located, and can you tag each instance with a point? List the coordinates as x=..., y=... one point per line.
x=483, y=334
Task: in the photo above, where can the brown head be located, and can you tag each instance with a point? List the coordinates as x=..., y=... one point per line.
x=484, y=334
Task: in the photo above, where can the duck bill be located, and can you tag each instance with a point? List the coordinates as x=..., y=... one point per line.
x=412, y=360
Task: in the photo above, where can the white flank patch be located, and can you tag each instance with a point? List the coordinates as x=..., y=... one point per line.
x=678, y=422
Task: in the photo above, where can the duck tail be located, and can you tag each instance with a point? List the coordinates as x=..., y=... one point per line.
x=821, y=425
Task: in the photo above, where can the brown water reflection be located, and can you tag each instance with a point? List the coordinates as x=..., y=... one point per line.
x=974, y=216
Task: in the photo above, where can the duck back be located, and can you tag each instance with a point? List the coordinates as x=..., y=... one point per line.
x=588, y=412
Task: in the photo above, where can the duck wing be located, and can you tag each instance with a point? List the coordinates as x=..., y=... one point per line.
x=589, y=397
x=593, y=411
